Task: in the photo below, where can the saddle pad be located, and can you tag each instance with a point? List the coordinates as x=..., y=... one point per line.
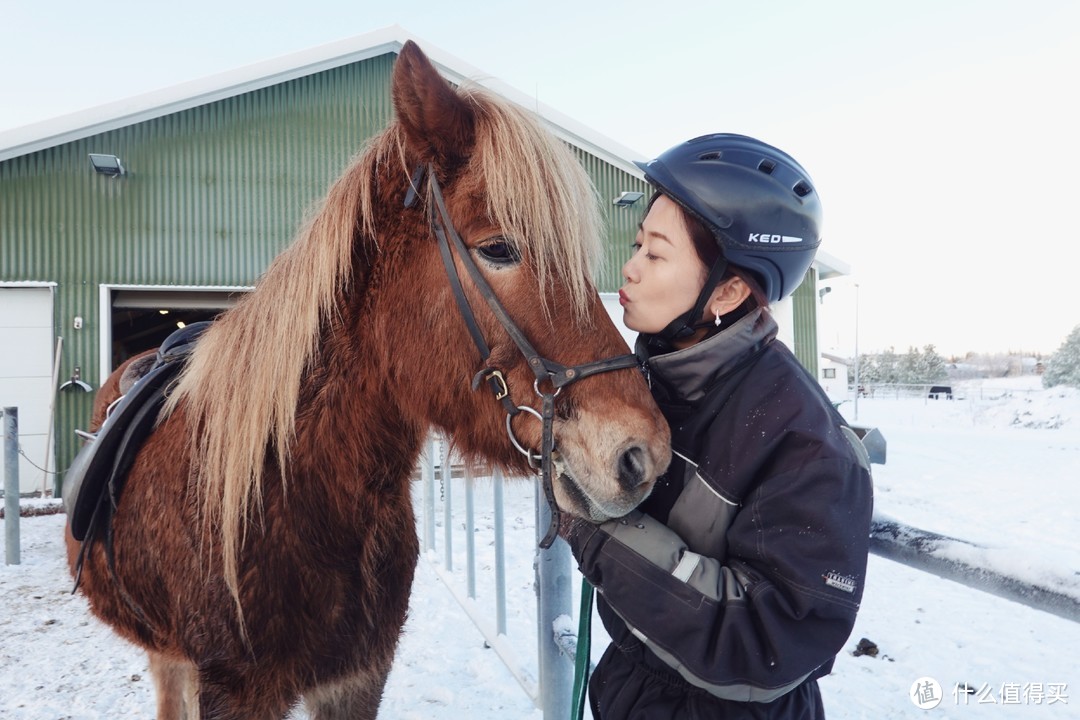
x=104, y=461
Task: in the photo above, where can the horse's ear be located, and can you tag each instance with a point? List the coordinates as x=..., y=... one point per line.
x=438, y=124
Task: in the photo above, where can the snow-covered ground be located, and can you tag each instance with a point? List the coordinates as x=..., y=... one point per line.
x=998, y=468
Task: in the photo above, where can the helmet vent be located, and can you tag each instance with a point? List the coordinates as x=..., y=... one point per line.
x=711, y=156
x=766, y=166
x=802, y=189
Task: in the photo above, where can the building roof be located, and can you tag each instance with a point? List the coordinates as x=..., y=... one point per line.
x=830, y=266
x=85, y=123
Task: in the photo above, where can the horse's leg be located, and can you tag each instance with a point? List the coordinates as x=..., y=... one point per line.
x=246, y=695
x=176, y=685
x=357, y=698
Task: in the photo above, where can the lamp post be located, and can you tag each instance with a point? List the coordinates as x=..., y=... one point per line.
x=857, y=393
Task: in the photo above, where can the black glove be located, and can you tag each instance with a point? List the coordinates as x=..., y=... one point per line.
x=576, y=532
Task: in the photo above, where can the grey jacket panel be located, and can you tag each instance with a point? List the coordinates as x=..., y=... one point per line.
x=741, y=692
x=702, y=515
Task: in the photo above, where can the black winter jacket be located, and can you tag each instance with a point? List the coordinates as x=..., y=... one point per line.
x=734, y=585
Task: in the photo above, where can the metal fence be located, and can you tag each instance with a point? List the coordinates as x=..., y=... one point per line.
x=926, y=391
x=445, y=483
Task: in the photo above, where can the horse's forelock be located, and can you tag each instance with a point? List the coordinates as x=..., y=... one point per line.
x=538, y=193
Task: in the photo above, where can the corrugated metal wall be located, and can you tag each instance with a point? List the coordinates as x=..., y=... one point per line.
x=621, y=222
x=804, y=312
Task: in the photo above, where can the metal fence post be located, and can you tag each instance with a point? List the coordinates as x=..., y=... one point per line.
x=447, y=475
x=11, y=486
x=553, y=591
x=427, y=470
x=500, y=555
x=470, y=533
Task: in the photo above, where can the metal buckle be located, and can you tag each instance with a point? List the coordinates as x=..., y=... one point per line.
x=503, y=391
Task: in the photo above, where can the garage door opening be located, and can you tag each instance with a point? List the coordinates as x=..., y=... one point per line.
x=141, y=319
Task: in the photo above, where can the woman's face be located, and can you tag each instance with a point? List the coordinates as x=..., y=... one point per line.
x=664, y=275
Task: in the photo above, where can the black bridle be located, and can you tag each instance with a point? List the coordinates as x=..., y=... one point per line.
x=547, y=372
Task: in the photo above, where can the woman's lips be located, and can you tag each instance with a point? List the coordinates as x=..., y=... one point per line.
x=623, y=299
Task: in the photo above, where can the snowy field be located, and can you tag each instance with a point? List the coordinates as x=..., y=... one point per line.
x=997, y=468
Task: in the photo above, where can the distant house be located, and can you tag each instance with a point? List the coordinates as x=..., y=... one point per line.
x=833, y=376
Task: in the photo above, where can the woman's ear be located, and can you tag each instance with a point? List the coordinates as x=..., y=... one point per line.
x=727, y=296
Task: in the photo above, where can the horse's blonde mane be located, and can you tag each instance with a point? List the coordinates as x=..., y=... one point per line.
x=539, y=194
x=241, y=386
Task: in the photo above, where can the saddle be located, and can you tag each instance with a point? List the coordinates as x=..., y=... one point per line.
x=93, y=483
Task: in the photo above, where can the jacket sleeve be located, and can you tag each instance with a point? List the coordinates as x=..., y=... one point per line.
x=756, y=623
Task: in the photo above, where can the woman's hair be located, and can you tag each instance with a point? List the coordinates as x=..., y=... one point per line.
x=708, y=251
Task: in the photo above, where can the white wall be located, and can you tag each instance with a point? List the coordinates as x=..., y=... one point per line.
x=26, y=361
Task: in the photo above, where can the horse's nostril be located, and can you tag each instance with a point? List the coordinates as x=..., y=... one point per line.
x=632, y=468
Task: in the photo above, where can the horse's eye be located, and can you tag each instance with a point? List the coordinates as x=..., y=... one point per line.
x=499, y=251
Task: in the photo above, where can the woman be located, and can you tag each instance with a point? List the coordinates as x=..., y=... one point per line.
x=730, y=590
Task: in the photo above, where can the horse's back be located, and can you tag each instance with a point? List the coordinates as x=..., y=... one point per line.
x=118, y=383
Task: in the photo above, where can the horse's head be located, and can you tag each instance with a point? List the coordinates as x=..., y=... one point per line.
x=528, y=219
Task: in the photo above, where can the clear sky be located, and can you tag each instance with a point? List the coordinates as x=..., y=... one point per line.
x=942, y=134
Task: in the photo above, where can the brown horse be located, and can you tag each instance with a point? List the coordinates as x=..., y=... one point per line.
x=265, y=541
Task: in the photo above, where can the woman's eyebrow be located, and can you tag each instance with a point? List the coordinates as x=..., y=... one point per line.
x=655, y=234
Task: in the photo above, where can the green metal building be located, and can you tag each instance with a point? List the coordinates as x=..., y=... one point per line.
x=217, y=177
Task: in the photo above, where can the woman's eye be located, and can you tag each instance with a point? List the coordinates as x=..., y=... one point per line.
x=648, y=255
x=636, y=247
x=499, y=251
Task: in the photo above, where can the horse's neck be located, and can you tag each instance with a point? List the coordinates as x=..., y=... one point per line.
x=350, y=426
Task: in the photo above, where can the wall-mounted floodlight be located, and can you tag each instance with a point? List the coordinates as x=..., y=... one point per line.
x=627, y=198
x=106, y=164
x=823, y=292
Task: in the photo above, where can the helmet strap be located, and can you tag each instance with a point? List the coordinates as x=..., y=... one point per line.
x=689, y=322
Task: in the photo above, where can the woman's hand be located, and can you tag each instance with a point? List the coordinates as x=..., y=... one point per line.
x=576, y=531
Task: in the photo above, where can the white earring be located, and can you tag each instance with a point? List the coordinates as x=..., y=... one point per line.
x=717, y=321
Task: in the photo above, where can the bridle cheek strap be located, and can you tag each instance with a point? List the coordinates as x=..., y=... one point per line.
x=545, y=370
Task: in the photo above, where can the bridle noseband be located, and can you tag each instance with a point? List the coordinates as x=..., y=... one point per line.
x=547, y=372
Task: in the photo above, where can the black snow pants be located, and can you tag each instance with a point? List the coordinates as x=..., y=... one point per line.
x=631, y=684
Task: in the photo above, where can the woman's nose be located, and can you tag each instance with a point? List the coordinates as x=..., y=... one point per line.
x=629, y=270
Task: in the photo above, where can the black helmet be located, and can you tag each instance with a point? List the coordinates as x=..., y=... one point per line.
x=759, y=203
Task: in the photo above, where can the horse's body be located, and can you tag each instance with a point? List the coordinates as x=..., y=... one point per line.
x=265, y=540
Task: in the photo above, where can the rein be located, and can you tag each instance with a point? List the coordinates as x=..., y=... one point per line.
x=547, y=372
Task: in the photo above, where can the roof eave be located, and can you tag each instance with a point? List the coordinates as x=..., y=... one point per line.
x=159, y=103
x=829, y=266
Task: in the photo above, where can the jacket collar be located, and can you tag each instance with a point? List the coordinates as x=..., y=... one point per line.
x=689, y=373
